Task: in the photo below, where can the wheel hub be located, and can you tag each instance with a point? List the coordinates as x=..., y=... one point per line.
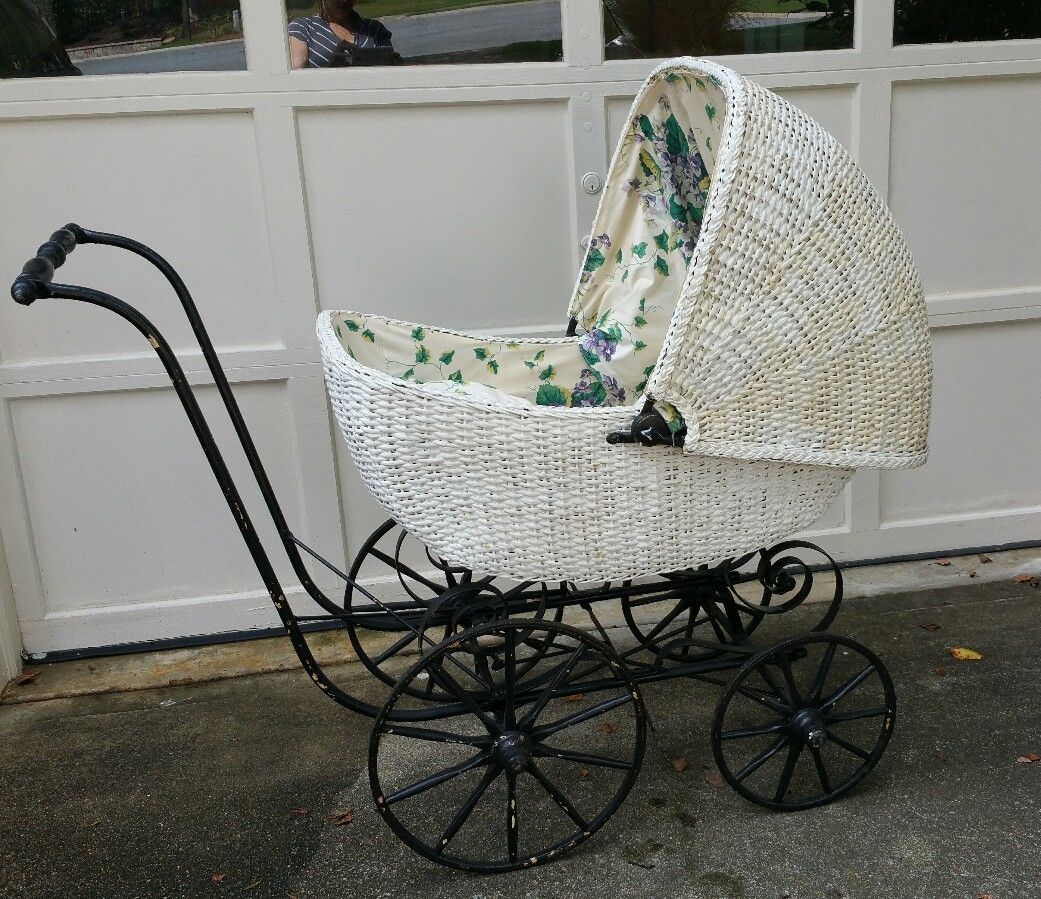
x=807, y=725
x=513, y=751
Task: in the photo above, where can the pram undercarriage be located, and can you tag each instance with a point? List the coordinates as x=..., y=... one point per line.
x=509, y=701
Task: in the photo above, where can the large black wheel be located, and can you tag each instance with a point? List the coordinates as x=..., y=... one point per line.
x=542, y=749
x=804, y=721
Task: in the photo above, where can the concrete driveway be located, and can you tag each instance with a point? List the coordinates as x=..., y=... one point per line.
x=226, y=789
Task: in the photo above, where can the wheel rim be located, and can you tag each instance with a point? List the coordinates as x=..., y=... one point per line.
x=803, y=722
x=533, y=747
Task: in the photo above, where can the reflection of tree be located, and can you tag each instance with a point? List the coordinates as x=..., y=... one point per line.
x=674, y=27
x=944, y=21
x=712, y=27
x=129, y=19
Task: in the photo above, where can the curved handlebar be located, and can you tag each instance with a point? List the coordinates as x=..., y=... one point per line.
x=38, y=272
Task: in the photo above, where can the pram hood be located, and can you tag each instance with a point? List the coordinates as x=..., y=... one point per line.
x=800, y=333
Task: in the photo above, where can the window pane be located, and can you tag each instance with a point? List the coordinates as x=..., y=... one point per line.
x=340, y=33
x=99, y=37
x=947, y=21
x=660, y=28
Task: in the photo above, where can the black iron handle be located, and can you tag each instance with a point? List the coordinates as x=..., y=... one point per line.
x=38, y=272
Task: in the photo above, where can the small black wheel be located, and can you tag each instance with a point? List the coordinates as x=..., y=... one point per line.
x=435, y=600
x=804, y=721
x=530, y=761
x=687, y=614
x=391, y=553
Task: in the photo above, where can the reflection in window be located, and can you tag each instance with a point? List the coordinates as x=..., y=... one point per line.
x=335, y=33
x=73, y=37
x=661, y=28
x=947, y=21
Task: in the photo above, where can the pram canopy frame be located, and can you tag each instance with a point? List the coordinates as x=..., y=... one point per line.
x=475, y=614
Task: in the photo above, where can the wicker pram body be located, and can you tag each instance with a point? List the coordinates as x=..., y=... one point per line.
x=793, y=349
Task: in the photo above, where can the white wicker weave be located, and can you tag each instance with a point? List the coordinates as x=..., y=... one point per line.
x=801, y=332
x=798, y=350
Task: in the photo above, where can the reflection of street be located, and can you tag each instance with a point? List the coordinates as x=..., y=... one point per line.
x=442, y=32
x=426, y=35
x=220, y=56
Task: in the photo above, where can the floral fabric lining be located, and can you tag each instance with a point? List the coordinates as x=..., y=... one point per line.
x=634, y=268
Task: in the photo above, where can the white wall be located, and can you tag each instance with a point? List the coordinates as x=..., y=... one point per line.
x=450, y=195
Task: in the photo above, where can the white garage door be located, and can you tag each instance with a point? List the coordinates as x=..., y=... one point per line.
x=447, y=193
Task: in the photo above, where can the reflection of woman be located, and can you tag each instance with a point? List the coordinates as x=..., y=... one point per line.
x=320, y=41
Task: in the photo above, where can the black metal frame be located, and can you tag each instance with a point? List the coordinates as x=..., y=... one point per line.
x=467, y=608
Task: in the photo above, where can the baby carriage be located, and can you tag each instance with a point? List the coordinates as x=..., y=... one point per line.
x=747, y=329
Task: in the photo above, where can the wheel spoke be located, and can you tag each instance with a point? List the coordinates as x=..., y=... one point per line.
x=560, y=724
x=406, y=570
x=471, y=803
x=848, y=746
x=427, y=783
x=435, y=736
x=667, y=620
x=761, y=731
x=721, y=635
x=847, y=688
x=509, y=674
x=447, y=683
x=857, y=715
x=757, y=696
x=558, y=797
x=768, y=679
x=789, y=679
x=394, y=648
x=558, y=678
x=762, y=758
x=581, y=758
x=822, y=772
x=511, y=815
x=794, y=751
x=822, y=672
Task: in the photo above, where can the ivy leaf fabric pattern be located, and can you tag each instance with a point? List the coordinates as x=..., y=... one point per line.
x=630, y=276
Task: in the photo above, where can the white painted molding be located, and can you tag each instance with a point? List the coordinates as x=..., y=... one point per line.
x=10, y=638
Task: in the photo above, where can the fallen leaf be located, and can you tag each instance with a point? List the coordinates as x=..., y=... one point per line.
x=680, y=764
x=574, y=697
x=940, y=757
x=943, y=562
x=300, y=812
x=340, y=818
x=583, y=772
x=1031, y=579
x=713, y=778
x=1029, y=758
x=984, y=559
x=940, y=671
x=930, y=626
x=251, y=886
x=963, y=654
x=984, y=896
x=607, y=728
x=218, y=878
x=27, y=676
